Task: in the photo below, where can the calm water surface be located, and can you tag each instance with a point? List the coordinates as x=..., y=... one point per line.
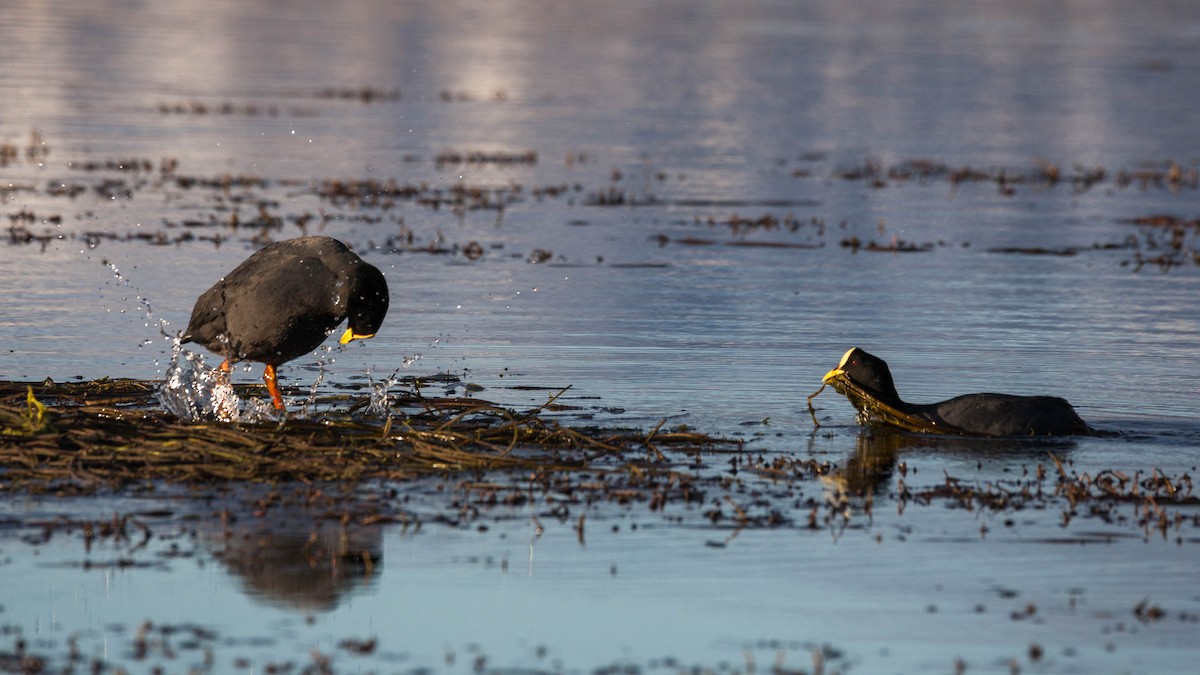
x=678, y=181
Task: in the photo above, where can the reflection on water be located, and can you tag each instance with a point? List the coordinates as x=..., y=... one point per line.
x=679, y=210
x=870, y=468
x=298, y=564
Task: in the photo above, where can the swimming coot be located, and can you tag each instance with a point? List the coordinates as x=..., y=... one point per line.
x=283, y=301
x=866, y=381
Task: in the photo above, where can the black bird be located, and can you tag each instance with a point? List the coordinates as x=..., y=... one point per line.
x=867, y=382
x=283, y=301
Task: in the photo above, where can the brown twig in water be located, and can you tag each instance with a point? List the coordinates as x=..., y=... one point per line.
x=811, y=410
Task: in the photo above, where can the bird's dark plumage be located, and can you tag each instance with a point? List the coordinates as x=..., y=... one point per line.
x=867, y=382
x=283, y=301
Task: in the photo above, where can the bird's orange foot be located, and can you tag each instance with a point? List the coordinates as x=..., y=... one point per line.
x=273, y=387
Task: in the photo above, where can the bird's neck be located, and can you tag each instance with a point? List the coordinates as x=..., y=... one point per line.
x=890, y=397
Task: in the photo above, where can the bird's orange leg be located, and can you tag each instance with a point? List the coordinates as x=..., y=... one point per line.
x=225, y=369
x=273, y=387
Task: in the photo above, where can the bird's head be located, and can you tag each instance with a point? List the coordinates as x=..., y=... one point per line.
x=368, y=303
x=868, y=372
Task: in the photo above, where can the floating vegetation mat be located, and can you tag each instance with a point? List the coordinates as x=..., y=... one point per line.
x=80, y=437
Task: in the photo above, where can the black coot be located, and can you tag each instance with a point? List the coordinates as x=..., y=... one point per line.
x=867, y=382
x=283, y=301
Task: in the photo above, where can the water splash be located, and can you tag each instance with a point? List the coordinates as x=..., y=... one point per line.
x=195, y=392
x=143, y=306
x=380, y=404
x=309, y=405
x=142, y=301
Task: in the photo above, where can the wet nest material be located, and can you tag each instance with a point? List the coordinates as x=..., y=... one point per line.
x=110, y=433
x=872, y=410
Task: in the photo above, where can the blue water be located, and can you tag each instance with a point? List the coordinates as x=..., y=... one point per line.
x=696, y=115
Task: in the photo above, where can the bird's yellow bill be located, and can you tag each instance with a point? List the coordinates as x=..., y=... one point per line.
x=351, y=335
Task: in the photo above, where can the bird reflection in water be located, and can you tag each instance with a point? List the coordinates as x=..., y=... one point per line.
x=866, y=474
x=296, y=561
x=868, y=470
